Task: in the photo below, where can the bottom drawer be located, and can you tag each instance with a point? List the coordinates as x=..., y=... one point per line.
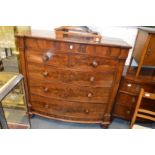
x=73, y=111
x=123, y=112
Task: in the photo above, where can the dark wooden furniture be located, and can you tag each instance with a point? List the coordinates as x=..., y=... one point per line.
x=82, y=32
x=143, y=112
x=1, y=65
x=69, y=79
x=144, y=49
x=129, y=89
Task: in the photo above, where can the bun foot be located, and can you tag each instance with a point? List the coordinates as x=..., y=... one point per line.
x=104, y=126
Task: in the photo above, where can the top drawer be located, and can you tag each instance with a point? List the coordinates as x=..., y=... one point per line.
x=131, y=87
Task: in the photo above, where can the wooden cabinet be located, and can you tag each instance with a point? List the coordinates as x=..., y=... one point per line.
x=144, y=50
x=71, y=80
x=129, y=90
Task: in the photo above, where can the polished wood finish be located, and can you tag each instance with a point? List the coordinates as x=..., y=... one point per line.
x=142, y=112
x=71, y=79
x=129, y=90
x=144, y=50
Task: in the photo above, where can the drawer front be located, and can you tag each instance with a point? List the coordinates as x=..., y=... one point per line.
x=74, y=61
x=40, y=44
x=135, y=87
x=67, y=110
x=60, y=60
x=77, y=61
x=70, y=92
x=126, y=100
x=123, y=112
x=82, y=78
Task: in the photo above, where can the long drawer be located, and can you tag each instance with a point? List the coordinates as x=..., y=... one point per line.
x=72, y=60
x=69, y=92
x=82, y=78
x=76, y=111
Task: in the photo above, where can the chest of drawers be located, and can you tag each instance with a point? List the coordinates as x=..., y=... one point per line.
x=71, y=80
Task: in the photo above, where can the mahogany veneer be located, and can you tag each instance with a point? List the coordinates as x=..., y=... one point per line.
x=71, y=80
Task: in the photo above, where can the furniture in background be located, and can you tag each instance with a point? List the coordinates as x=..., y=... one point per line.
x=137, y=77
x=73, y=80
x=1, y=65
x=144, y=49
x=143, y=112
x=13, y=105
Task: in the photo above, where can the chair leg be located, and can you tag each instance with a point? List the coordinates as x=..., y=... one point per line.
x=137, y=107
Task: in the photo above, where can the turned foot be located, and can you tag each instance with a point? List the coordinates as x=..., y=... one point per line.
x=104, y=126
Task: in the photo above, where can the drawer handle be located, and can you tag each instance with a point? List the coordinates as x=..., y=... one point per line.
x=45, y=74
x=92, y=79
x=86, y=111
x=46, y=106
x=149, y=51
x=47, y=56
x=71, y=47
x=129, y=84
x=46, y=89
x=128, y=112
x=90, y=95
x=95, y=64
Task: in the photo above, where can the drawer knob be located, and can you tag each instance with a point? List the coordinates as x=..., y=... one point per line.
x=47, y=56
x=129, y=84
x=128, y=112
x=86, y=111
x=46, y=106
x=92, y=79
x=45, y=74
x=71, y=47
x=46, y=89
x=90, y=95
x=95, y=64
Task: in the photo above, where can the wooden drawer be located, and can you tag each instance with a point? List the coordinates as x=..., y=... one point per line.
x=70, y=92
x=40, y=44
x=122, y=111
x=74, y=61
x=126, y=100
x=82, y=78
x=132, y=87
x=67, y=110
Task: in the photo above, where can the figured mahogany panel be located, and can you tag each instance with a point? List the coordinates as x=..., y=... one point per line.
x=82, y=78
x=69, y=92
x=76, y=111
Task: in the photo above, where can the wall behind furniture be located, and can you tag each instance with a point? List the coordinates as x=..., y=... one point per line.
x=126, y=33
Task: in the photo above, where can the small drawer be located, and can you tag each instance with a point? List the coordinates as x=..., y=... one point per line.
x=134, y=88
x=123, y=112
x=126, y=100
x=40, y=44
x=47, y=58
x=66, y=109
x=68, y=47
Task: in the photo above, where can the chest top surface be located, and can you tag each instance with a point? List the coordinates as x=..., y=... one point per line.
x=50, y=35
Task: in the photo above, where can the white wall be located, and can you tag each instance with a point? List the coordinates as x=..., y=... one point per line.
x=126, y=33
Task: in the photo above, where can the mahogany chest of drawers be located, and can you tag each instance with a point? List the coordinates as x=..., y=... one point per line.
x=71, y=80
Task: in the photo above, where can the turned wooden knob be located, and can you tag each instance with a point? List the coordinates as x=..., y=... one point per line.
x=45, y=58
x=128, y=112
x=45, y=74
x=94, y=63
x=90, y=95
x=46, y=89
x=46, y=106
x=86, y=111
x=48, y=55
x=92, y=79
